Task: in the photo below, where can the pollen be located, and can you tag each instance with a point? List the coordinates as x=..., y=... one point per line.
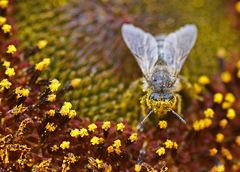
x=120, y=127
x=65, y=145
x=51, y=112
x=99, y=163
x=231, y=114
x=137, y=167
x=213, y=151
x=10, y=72
x=75, y=82
x=51, y=127
x=92, y=127
x=203, y=80
x=21, y=92
x=226, y=77
x=11, y=49
x=72, y=114
x=41, y=44
x=162, y=124
x=96, y=140
x=161, y=151
x=51, y=97
x=169, y=144
x=2, y=20
x=106, y=125
x=229, y=97
x=65, y=109
x=54, y=86
x=75, y=133
x=83, y=132
x=43, y=64
x=3, y=4
x=6, y=28
x=223, y=123
x=117, y=143
x=133, y=137
x=110, y=149
x=219, y=137
x=5, y=84
x=6, y=64
x=202, y=124
x=218, y=98
x=209, y=113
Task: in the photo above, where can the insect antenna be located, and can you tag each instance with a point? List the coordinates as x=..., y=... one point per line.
x=139, y=126
x=179, y=117
x=142, y=153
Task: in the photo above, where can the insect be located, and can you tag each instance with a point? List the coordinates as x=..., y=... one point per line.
x=160, y=59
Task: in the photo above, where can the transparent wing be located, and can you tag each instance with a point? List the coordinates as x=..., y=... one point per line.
x=143, y=46
x=178, y=45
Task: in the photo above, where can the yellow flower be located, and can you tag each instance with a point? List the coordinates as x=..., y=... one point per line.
x=75, y=82
x=110, y=149
x=11, y=49
x=203, y=80
x=137, y=167
x=65, y=109
x=21, y=92
x=237, y=6
x=218, y=98
x=75, y=133
x=161, y=151
x=226, y=105
x=83, y=132
x=117, y=143
x=51, y=112
x=6, y=64
x=238, y=73
x=55, y=84
x=197, y=88
x=223, y=123
x=218, y=168
x=72, y=114
x=51, y=97
x=50, y=127
x=41, y=44
x=219, y=137
x=120, y=127
x=168, y=144
x=231, y=114
x=92, y=127
x=213, y=151
x=65, y=145
x=99, y=163
x=229, y=97
x=226, y=77
x=95, y=140
x=133, y=137
x=162, y=124
x=106, y=125
x=2, y=20
x=226, y=153
x=237, y=140
x=221, y=52
x=5, y=84
x=6, y=28
x=43, y=64
x=209, y=113
x=3, y=4
x=10, y=71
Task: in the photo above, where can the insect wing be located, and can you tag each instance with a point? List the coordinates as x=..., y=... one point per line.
x=143, y=46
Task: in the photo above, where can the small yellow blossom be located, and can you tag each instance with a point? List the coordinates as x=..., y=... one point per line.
x=223, y=123
x=2, y=20
x=237, y=6
x=168, y=144
x=50, y=127
x=229, y=97
x=99, y=163
x=11, y=49
x=75, y=133
x=75, y=82
x=83, y=132
x=110, y=149
x=226, y=105
x=54, y=148
x=226, y=153
x=203, y=80
x=92, y=127
x=161, y=151
x=5, y=84
x=117, y=143
x=231, y=114
x=72, y=114
x=237, y=140
x=41, y=44
x=10, y=72
x=238, y=64
x=162, y=124
x=218, y=98
x=226, y=77
x=96, y=140
x=51, y=112
x=21, y=92
x=6, y=28
x=213, y=151
x=51, y=97
x=133, y=137
x=120, y=127
x=209, y=113
x=175, y=145
x=43, y=64
x=219, y=137
x=137, y=167
x=202, y=124
x=65, y=145
x=238, y=73
x=6, y=64
x=218, y=168
x=106, y=125
x=197, y=88
x=221, y=52
x=65, y=109
x=55, y=84
x=3, y=4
